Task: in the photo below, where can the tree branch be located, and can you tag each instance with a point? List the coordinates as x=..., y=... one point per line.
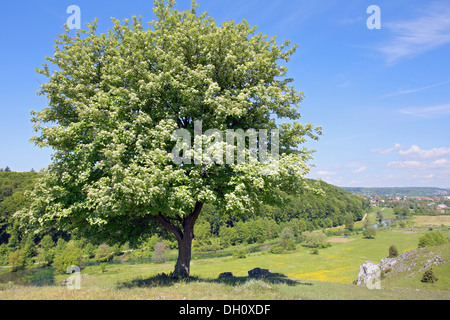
x=169, y=227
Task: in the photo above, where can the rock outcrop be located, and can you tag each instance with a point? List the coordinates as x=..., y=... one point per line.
x=409, y=263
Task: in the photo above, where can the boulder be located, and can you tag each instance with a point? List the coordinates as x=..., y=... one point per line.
x=225, y=275
x=368, y=272
x=259, y=273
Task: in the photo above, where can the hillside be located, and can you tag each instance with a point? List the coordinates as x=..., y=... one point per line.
x=398, y=191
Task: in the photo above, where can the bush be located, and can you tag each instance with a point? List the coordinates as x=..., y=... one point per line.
x=240, y=254
x=393, y=252
x=429, y=276
x=104, y=253
x=433, y=238
x=276, y=249
x=160, y=252
x=71, y=255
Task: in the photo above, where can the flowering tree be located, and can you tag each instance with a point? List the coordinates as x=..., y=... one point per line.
x=114, y=103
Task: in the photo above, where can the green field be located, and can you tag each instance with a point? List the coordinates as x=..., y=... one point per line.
x=300, y=275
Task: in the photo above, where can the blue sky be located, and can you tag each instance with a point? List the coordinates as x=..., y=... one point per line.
x=382, y=95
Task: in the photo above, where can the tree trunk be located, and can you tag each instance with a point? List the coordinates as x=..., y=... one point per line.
x=183, y=265
x=184, y=238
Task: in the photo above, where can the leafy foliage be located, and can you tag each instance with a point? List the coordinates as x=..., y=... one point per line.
x=433, y=238
x=12, y=197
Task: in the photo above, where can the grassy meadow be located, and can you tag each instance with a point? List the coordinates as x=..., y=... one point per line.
x=299, y=274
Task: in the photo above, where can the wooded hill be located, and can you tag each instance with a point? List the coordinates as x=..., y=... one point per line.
x=304, y=213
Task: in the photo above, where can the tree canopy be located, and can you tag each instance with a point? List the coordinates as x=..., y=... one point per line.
x=115, y=101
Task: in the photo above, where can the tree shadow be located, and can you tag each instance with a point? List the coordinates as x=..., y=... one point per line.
x=167, y=280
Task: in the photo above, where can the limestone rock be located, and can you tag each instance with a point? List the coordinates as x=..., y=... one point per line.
x=367, y=272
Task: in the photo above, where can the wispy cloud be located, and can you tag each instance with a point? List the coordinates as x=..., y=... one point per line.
x=413, y=37
x=413, y=164
x=414, y=151
x=427, y=111
x=401, y=92
x=359, y=170
x=386, y=151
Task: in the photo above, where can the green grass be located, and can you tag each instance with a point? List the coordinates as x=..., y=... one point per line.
x=301, y=275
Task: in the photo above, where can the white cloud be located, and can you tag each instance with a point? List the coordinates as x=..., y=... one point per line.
x=415, y=151
x=325, y=173
x=429, y=31
x=428, y=111
x=414, y=164
x=401, y=92
x=359, y=170
x=388, y=150
x=404, y=164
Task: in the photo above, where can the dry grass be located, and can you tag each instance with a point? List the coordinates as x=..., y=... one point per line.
x=432, y=220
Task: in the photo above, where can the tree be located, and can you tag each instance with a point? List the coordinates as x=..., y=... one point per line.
x=29, y=248
x=16, y=259
x=315, y=239
x=287, y=238
x=349, y=223
x=369, y=232
x=47, y=246
x=115, y=103
x=379, y=216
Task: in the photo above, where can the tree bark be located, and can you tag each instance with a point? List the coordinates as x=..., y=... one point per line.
x=184, y=238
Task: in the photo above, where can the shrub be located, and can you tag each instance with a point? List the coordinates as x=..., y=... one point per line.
x=160, y=252
x=314, y=251
x=104, y=253
x=429, y=276
x=240, y=254
x=276, y=249
x=433, y=238
x=393, y=252
x=71, y=255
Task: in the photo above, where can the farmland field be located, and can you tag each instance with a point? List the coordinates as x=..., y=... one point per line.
x=432, y=220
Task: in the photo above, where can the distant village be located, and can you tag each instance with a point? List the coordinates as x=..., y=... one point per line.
x=433, y=204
